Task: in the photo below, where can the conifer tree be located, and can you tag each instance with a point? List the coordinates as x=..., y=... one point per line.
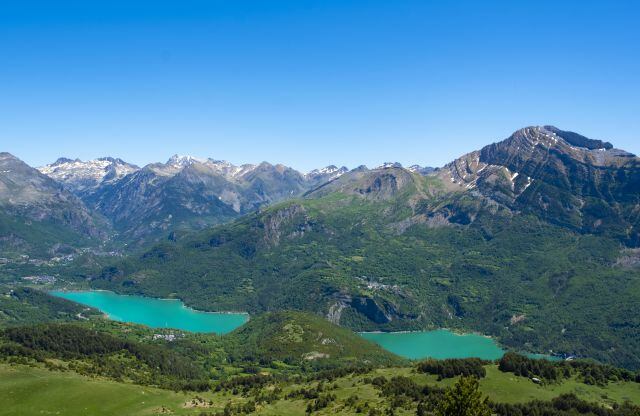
x=464, y=399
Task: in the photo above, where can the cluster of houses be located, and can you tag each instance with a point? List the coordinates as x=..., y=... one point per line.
x=41, y=279
x=167, y=337
x=56, y=260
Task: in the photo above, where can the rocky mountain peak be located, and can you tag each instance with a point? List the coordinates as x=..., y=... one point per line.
x=63, y=160
x=387, y=165
x=563, y=176
x=535, y=145
x=531, y=153
x=422, y=170
x=326, y=174
x=381, y=183
x=280, y=167
x=11, y=166
x=183, y=160
x=6, y=156
x=84, y=176
x=264, y=166
x=228, y=169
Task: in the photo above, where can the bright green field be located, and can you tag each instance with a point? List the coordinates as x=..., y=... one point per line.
x=29, y=391
x=508, y=388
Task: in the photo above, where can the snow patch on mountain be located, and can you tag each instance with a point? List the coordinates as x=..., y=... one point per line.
x=327, y=173
x=80, y=176
x=181, y=161
x=387, y=165
x=227, y=169
x=422, y=170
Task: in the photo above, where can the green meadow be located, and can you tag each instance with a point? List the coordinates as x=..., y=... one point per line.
x=29, y=390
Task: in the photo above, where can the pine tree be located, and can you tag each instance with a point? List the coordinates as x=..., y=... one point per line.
x=464, y=399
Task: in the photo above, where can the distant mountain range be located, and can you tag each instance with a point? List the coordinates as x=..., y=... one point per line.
x=110, y=200
x=85, y=177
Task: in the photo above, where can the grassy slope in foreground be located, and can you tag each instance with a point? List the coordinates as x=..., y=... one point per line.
x=30, y=391
x=26, y=391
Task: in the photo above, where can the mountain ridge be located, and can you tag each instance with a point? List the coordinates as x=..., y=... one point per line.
x=186, y=192
x=37, y=214
x=190, y=193
x=83, y=177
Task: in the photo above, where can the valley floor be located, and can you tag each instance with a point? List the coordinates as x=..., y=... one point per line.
x=26, y=390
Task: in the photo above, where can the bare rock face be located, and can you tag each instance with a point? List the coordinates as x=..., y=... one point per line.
x=162, y=197
x=578, y=140
x=383, y=186
x=372, y=310
x=269, y=183
x=629, y=259
x=290, y=221
x=563, y=177
x=422, y=170
x=327, y=174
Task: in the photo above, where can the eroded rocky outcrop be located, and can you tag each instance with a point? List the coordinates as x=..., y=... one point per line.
x=290, y=221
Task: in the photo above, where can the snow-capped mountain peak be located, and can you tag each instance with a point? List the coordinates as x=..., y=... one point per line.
x=327, y=173
x=228, y=169
x=80, y=176
x=387, y=165
x=183, y=160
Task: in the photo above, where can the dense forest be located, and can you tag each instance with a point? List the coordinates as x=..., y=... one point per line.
x=452, y=367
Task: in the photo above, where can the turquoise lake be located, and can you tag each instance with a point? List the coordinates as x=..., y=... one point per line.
x=171, y=313
x=439, y=344
x=156, y=313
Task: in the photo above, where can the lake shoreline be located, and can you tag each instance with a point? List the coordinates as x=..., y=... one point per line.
x=184, y=305
x=154, y=312
x=453, y=331
x=438, y=343
x=386, y=340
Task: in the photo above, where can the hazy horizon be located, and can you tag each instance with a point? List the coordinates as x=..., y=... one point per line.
x=241, y=162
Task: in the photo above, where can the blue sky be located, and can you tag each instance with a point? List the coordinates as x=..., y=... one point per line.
x=309, y=83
